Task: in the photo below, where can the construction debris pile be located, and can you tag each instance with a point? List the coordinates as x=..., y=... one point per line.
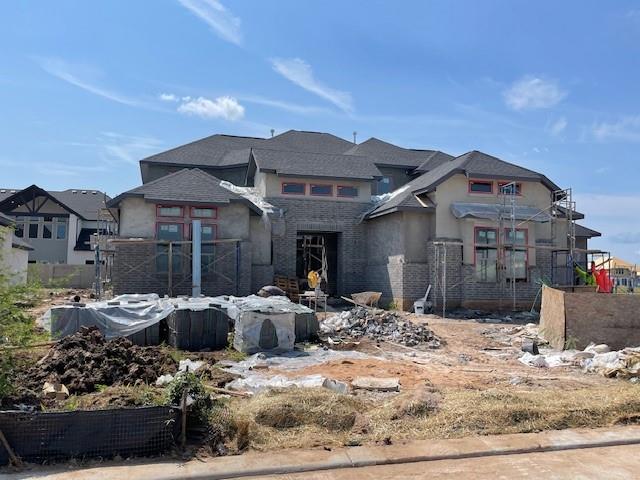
x=379, y=325
x=599, y=359
x=84, y=361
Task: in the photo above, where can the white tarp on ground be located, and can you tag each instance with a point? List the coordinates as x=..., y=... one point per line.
x=128, y=314
x=492, y=211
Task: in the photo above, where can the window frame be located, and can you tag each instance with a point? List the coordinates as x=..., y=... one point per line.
x=485, y=246
x=330, y=194
x=214, y=215
x=380, y=181
x=521, y=248
x=181, y=229
x=472, y=181
x=159, y=207
x=338, y=187
x=502, y=183
x=304, y=188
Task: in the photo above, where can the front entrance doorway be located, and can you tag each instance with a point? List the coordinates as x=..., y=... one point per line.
x=318, y=251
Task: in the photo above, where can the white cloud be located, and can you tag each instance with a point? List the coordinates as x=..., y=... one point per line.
x=299, y=72
x=114, y=148
x=67, y=72
x=627, y=128
x=214, y=14
x=168, y=97
x=531, y=93
x=559, y=126
x=227, y=108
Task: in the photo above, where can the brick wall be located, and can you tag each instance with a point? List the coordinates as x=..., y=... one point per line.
x=323, y=216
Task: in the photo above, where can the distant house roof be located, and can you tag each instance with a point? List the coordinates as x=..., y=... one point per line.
x=85, y=203
x=582, y=231
x=615, y=262
x=186, y=186
x=472, y=164
x=5, y=221
x=384, y=153
x=305, y=164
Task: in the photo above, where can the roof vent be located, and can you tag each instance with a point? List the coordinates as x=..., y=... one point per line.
x=84, y=191
x=74, y=191
x=13, y=191
x=272, y=132
x=94, y=192
x=355, y=134
x=3, y=191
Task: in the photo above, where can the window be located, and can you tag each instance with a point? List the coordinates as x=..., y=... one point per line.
x=169, y=211
x=47, y=230
x=19, y=230
x=197, y=212
x=385, y=185
x=170, y=232
x=33, y=230
x=486, y=254
x=507, y=188
x=61, y=229
x=293, y=188
x=518, y=250
x=89, y=262
x=480, y=186
x=322, y=190
x=347, y=191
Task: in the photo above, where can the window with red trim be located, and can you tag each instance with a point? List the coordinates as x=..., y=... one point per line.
x=480, y=186
x=292, y=188
x=518, y=250
x=169, y=211
x=204, y=212
x=506, y=188
x=321, y=190
x=486, y=254
x=347, y=191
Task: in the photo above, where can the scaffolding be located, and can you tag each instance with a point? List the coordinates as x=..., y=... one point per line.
x=562, y=247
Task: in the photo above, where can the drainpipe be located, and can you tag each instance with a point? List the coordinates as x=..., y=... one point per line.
x=196, y=250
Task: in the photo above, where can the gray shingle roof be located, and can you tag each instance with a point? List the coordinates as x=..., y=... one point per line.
x=209, y=151
x=436, y=159
x=186, y=186
x=472, y=164
x=301, y=141
x=84, y=202
x=306, y=164
x=582, y=231
x=385, y=153
x=5, y=221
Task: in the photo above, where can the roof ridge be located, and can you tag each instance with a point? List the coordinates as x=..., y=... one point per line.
x=305, y=151
x=200, y=140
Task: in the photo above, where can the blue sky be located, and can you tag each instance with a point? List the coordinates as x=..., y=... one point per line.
x=89, y=88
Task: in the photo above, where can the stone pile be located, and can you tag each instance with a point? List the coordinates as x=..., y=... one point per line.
x=379, y=325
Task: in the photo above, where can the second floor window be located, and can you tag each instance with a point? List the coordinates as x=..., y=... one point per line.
x=347, y=191
x=322, y=190
x=385, y=185
x=293, y=188
x=480, y=186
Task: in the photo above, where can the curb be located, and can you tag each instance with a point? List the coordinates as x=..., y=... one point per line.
x=301, y=461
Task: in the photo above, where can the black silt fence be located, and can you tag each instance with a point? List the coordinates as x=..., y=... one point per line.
x=50, y=436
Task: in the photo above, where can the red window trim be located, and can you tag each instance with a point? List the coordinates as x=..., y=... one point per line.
x=158, y=207
x=214, y=225
x=501, y=183
x=471, y=181
x=311, y=185
x=166, y=222
x=215, y=212
x=338, y=187
x=524, y=247
x=304, y=188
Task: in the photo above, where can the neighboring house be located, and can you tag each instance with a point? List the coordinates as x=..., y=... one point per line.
x=374, y=215
x=623, y=274
x=57, y=224
x=14, y=253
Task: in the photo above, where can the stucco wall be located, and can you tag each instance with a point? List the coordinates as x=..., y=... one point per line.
x=13, y=261
x=137, y=218
x=270, y=185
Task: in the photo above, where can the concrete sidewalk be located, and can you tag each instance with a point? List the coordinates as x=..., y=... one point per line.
x=297, y=461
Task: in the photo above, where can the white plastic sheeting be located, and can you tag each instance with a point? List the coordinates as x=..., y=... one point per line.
x=128, y=314
x=489, y=211
x=257, y=332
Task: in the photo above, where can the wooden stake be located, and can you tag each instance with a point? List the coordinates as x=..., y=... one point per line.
x=14, y=458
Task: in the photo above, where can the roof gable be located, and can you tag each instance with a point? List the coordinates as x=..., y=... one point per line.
x=388, y=154
x=303, y=141
x=186, y=186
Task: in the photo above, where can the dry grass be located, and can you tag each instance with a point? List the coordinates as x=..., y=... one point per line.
x=303, y=418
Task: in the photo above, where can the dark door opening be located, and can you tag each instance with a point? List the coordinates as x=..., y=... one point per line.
x=318, y=251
